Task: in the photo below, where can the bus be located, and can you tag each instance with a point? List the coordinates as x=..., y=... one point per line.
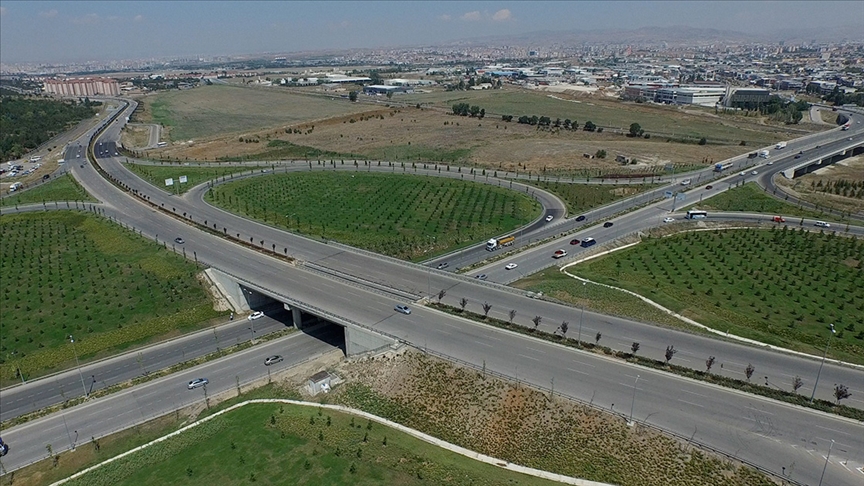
x=696, y=214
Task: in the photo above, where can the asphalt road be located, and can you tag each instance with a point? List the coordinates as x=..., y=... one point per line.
x=774, y=436
x=100, y=417
x=38, y=394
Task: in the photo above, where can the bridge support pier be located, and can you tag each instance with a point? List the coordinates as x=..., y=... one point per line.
x=359, y=341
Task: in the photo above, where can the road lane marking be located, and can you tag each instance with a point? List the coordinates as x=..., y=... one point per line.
x=697, y=394
x=691, y=403
x=529, y=357
x=578, y=371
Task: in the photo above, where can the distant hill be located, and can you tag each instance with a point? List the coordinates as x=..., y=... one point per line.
x=673, y=36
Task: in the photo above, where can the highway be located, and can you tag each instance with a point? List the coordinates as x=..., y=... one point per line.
x=728, y=429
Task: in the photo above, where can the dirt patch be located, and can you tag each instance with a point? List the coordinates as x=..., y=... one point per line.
x=135, y=136
x=839, y=186
x=521, y=425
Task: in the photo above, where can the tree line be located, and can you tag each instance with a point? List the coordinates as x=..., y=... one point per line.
x=28, y=123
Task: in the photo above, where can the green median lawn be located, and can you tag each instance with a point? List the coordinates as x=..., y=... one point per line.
x=287, y=444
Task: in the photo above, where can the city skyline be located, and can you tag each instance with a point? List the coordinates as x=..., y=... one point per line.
x=55, y=32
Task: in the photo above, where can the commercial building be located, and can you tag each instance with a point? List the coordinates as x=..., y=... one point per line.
x=704, y=96
x=82, y=87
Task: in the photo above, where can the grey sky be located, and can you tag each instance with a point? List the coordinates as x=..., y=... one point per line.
x=75, y=31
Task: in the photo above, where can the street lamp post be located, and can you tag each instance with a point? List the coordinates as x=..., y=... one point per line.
x=630, y=422
x=826, y=462
x=78, y=363
x=582, y=314
x=822, y=363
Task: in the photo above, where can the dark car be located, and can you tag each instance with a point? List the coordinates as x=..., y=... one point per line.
x=798, y=156
x=581, y=218
x=574, y=241
x=482, y=276
x=709, y=187
x=607, y=224
x=4, y=448
x=46, y=177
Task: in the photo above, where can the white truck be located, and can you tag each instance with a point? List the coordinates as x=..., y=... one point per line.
x=763, y=154
x=15, y=186
x=495, y=244
x=780, y=145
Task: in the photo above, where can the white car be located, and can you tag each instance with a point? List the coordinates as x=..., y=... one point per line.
x=685, y=182
x=771, y=163
x=510, y=266
x=755, y=172
x=822, y=224
x=197, y=383
x=668, y=220
x=549, y=218
x=403, y=309
x=743, y=173
x=255, y=315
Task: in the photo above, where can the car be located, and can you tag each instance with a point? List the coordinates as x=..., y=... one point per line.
x=798, y=156
x=850, y=139
x=559, y=254
x=771, y=163
x=482, y=276
x=668, y=220
x=4, y=448
x=197, y=383
x=586, y=242
x=273, y=360
x=255, y=315
x=755, y=172
x=574, y=241
x=442, y=266
x=179, y=240
x=685, y=182
x=822, y=224
x=510, y=266
x=581, y=218
x=402, y=309
x=607, y=224
x=79, y=156
x=549, y=218
x=743, y=173
x=709, y=186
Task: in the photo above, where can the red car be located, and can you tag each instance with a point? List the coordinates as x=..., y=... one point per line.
x=574, y=241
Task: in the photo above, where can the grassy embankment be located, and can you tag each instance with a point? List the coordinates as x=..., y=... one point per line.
x=743, y=281
x=61, y=189
x=401, y=215
x=77, y=274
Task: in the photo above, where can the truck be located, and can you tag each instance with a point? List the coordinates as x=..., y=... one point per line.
x=780, y=145
x=720, y=167
x=764, y=154
x=496, y=243
x=15, y=186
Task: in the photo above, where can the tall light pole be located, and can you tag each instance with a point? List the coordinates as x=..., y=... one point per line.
x=822, y=363
x=583, y=312
x=630, y=422
x=78, y=363
x=826, y=462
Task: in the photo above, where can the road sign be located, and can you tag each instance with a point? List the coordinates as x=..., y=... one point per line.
x=680, y=196
x=169, y=182
x=182, y=179
x=668, y=194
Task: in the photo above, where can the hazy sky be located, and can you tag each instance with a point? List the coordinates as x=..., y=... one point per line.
x=44, y=31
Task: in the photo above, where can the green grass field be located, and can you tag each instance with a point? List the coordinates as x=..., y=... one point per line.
x=779, y=286
x=282, y=444
x=405, y=216
x=560, y=286
x=61, y=189
x=156, y=174
x=581, y=197
x=749, y=198
x=71, y=273
x=219, y=109
x=652, y=118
